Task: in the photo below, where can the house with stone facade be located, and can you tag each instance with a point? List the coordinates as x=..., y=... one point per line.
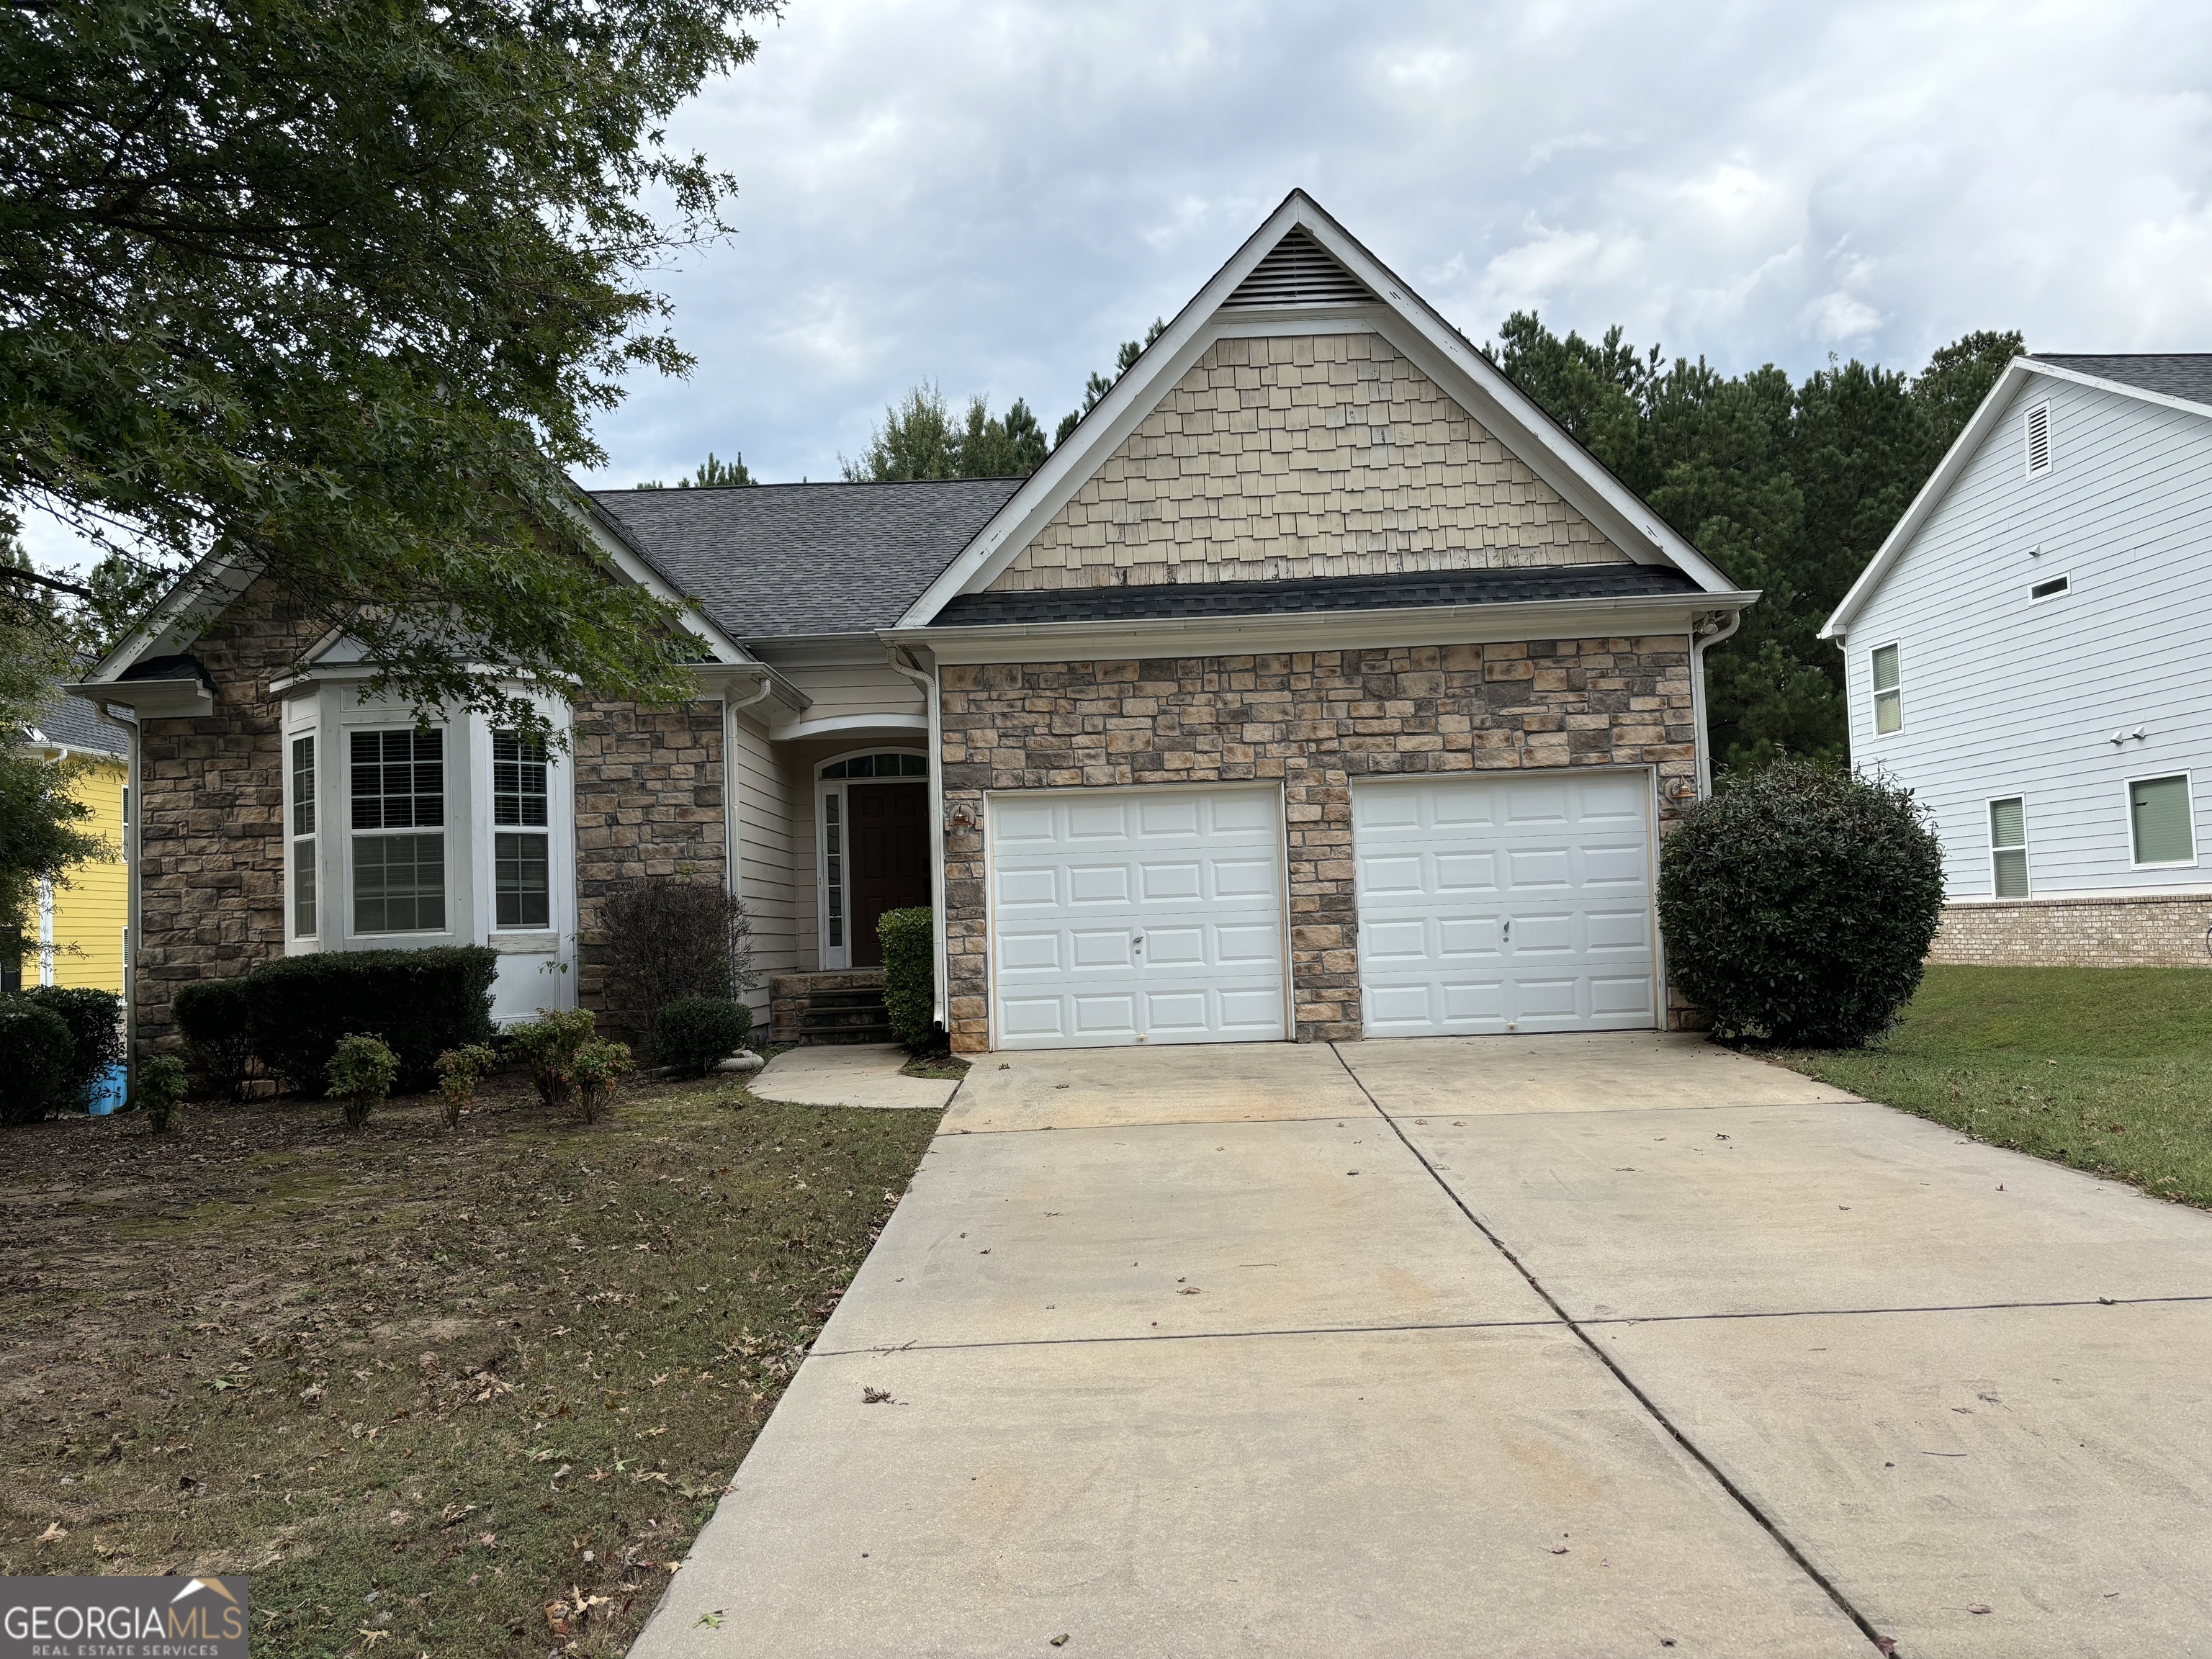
x=2027, y=651
x=1317, y=686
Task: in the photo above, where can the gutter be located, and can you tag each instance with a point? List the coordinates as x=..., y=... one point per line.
x=926, y=679
x=732, y=841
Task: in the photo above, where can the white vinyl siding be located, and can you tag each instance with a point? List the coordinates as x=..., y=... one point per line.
x=2010, y=696
x=2009, y=848
x=2158, y=820
x=767, y=881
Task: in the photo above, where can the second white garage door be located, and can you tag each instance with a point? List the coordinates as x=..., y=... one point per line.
x=1136, y=916
x=1494, y=904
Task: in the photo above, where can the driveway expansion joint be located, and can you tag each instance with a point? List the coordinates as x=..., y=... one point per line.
x=1743, y=1499
x=1845, y=1313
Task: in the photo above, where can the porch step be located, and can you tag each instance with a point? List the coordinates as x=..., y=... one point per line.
x=846, y=1006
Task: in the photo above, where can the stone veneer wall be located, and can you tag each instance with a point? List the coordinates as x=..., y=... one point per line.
x=2152, y=930
x=1315, y=719
x=210, y=815
x=1310, y=455
x=211, y=835
x=648, y=803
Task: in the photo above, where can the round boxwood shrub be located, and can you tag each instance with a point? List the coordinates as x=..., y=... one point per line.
x=1798, y=905
x=211, y=1013
x=38, y=1057
x=695, y=1032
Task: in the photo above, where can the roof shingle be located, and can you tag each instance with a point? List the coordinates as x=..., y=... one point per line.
x=2184, y=375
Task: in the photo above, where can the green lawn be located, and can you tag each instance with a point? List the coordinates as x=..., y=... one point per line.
x=2108, y=1069
x=455, y=1392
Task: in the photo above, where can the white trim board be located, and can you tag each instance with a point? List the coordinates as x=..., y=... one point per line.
x=1403, y=318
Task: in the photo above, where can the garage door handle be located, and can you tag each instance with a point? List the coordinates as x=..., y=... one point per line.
x=1509, y=929
x=1140, y=942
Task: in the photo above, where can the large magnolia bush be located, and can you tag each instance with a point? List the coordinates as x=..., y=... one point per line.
x=1798, y=905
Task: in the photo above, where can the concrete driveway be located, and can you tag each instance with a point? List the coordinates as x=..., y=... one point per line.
x=1572, y=1346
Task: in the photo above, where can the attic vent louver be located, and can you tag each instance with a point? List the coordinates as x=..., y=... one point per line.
x=2039, y=439
x=1299, y=271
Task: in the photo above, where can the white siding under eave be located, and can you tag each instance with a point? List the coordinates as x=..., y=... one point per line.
x=853, y=691
x=766, y=863
x=2006, y=695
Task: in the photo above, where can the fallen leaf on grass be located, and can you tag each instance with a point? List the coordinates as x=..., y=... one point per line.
x=54, y=1534
x=372, y=1637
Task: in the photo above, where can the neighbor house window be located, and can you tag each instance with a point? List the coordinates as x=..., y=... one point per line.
x=1888, y=692
x=399, y=796
x=303, y=837
x=521, y=872
x=2158, y=820
x=2008, y=847
x=2037, y=433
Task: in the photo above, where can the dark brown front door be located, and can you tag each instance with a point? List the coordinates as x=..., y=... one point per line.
x=889, y=858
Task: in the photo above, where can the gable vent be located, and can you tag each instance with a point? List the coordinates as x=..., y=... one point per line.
x=1299, y=271
x=2039, y=439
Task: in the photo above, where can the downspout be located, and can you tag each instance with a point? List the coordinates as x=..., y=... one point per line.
x=902, y=662
x=733, y=844
x=1703, y=635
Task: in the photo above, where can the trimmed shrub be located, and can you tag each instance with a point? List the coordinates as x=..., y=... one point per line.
x=549, y=1045
x=694, y=1034
x=38, y=1057
x=419, y=1002
x=211, y=1014
x=161, y=1092
x=459, y=1071
x=599, y=1066
x=669, y=938
x=909, y=939
x=1798, y=905
x=361, y=1074
x=95, y=1019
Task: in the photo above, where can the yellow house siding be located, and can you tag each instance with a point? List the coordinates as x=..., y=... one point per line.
x=91, y=912
x=1320, y=455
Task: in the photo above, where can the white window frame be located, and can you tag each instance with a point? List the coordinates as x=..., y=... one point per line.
x=1875, y=695
x=295, y=735
x=2064, y=576
x=550, y=830
x=1989, y=834
x=2128, y=816
x=835, y=957
x=454, y=760
x=2028, y=439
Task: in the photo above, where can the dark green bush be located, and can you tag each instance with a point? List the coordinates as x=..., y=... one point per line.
x=211, y=1014
x=161, y=1092
x=548, y=1045
x=909, y=939
x=1798, y=905
x=37, y=1058
x=694, y=1033
x=419, y=1002
x=95, y=1019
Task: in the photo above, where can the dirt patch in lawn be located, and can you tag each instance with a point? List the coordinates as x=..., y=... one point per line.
x=472, y=1390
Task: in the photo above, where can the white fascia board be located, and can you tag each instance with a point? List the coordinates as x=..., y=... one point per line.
x=173, y=624
x=152, y=700
x=1328, y=631
x=1400, y=314
x=718, y=679
x=833, y=724
x=1931, y=494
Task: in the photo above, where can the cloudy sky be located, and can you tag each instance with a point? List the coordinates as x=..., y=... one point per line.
x=989, y=194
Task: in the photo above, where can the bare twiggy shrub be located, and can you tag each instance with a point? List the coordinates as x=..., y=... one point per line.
x=672, y=937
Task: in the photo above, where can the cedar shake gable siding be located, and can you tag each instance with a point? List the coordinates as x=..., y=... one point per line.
x=1317, y=721
x=1307, y=455
x=211, y=839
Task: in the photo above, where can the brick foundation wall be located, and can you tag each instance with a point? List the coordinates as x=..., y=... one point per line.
x=648, y=803
x=210, y=815
x=1315, y=719
x=2151, y=931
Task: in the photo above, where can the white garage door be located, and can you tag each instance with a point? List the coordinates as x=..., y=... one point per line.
x=1519, y=903
x=1138, y=915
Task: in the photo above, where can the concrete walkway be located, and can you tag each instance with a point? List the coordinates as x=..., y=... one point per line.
x=849, y=1074
x=1562, y=1346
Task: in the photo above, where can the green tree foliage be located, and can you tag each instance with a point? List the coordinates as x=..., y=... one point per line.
x=1790, y=488
x=921, y=438
x=713, y=473
x=338, y=289
x=1098, y=385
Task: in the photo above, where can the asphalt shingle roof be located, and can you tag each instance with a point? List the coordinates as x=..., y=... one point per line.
x=73, y=723
x=1149, y=600
x=2186, y=374
x=789, y=561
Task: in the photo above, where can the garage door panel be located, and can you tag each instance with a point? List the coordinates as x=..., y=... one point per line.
x=1444, y=865
x=1163, y=910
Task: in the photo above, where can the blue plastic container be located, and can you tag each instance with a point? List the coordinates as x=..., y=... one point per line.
x=108, y=1092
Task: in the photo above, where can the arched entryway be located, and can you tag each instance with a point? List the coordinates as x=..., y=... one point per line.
x=873, y=810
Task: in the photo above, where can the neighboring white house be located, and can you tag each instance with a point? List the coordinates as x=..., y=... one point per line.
x=2030, y=652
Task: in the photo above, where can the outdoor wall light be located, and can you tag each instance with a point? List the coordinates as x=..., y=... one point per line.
x=961, y=819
